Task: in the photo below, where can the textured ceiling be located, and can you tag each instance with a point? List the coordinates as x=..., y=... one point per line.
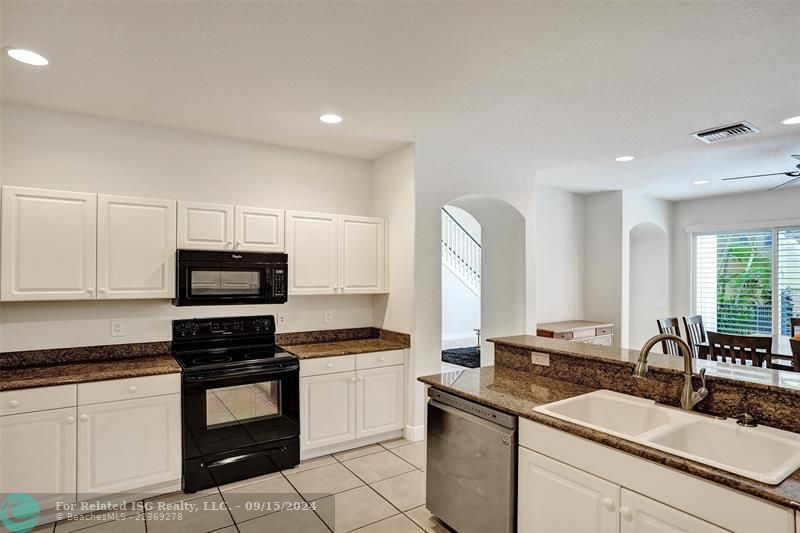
x=560, y=87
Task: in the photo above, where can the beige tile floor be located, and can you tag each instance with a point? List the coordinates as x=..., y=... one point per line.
x=374, y=489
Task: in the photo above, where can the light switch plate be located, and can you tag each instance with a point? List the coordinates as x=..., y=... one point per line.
x=282, y=319
x=541, y=359
x=327, y=317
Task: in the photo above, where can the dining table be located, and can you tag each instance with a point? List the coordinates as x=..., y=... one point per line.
x=782, y=356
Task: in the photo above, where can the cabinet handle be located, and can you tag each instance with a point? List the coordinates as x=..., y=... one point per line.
x=89, y=291
x=101, y=291
x=13, y=403
x=330, y=365
x=352, y=379
x=382, y=359
x=228, y=244
x=626, y=512
x=132, y=388
x=608, y=503
x=84, y=418
x=70, y=420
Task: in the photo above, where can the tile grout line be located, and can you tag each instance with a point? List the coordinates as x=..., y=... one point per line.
x=324, y=523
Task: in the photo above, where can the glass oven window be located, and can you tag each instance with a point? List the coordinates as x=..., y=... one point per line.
x=242, y=403
x=225, y=283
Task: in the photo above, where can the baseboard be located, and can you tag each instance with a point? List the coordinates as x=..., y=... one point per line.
x=414, y=433
x=349, y=445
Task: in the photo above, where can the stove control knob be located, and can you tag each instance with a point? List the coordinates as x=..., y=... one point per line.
x=186, y=329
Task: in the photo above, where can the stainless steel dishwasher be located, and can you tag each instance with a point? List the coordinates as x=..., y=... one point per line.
x=471, y=465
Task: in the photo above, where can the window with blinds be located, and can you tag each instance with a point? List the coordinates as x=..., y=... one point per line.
x=788, y=258
x=748, y=282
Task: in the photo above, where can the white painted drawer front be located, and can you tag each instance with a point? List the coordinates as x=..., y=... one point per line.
x=327, y=365
x=128, y=389
x=378, y=359
x=14, y=402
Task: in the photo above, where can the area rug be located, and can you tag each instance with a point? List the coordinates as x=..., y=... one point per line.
x=468, y=357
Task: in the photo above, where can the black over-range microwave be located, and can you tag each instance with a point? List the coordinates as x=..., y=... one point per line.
x=230, y=278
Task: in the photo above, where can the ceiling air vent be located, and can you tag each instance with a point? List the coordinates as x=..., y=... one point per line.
x=725, y=132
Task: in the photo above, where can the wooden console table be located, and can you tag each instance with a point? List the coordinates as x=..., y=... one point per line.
x=579, y=331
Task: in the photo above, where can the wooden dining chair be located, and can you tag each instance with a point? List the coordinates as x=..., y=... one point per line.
x=671, y=326
x=795, y=344
x=739, y=349
x=695, y=332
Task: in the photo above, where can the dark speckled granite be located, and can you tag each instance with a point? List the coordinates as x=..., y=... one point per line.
x=333, y=342
x=601, y=367
x=102, y=352
x=62, y=374
x=518, y=392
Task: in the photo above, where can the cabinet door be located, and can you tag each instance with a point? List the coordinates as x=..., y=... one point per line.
x=205, y=226
x=129, y=444
x=135, y=248
x=554, y=497
x=37, y=455
x=643, y=515
x=258, y=229
x=327, y=409
x=379, y=400
x=311, y=242
x=362, y=255
x=48, y=245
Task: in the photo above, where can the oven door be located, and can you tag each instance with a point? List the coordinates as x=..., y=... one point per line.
x=223, y=283
x=229, y=412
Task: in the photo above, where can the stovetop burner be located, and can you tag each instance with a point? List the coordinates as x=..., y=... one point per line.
x=211, y=360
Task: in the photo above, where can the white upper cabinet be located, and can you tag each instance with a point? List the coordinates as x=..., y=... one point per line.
x=48, y=245
x=205, y=226
x=135, y=248
x=362, y=255
x=258, y=229
x=335, y=254
x=312, y=245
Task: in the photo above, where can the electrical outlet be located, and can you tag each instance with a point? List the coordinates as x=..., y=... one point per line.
x=117, y=328
x=327, y=317
x=541, y=359
x=282, y=319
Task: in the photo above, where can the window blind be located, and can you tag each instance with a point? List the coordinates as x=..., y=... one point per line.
x=788, y=276
x=733, y=281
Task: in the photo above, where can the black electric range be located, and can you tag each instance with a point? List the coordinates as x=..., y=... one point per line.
x=240, y=395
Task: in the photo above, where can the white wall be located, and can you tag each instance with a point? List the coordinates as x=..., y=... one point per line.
x=51, y=149
x=559, y=255
x=749, y=209
x=602, y=258
x=649, y=281
x=461, y=312
x=393, y=198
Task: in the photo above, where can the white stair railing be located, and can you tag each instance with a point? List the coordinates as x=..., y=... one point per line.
x=461, y=253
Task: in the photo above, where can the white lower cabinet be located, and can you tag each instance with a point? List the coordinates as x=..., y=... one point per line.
x=556, y=497
x=129, y=444
x=66, y=442
x=37, y=455
x=347, y=400
x=327, y=409
x=643, y=515
x=379, y=406
x=570, y=484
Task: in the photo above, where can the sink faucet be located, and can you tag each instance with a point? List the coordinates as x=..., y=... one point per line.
x=689, y=396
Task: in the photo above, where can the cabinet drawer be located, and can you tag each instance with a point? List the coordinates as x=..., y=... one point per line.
x=327, y=365
x=378, y=359
x=563, y=335
x=128, y=389
x=608, y=330
x=40, y=399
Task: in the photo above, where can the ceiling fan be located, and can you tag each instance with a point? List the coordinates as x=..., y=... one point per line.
x=793, y=175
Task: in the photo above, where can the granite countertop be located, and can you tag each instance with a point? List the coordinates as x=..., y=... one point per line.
x=517, y=392
x=26, y=377
x=345, y=347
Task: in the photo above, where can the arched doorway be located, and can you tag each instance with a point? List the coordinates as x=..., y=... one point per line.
x=501, y=291
x=648, y=291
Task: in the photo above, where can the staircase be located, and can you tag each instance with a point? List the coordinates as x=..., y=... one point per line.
x=461, y=253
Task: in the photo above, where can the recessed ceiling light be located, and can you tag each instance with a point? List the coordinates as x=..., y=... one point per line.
x=27, y=56
x=330, y=118
x=625, y=158
x=699, y=182
x=791, y=120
